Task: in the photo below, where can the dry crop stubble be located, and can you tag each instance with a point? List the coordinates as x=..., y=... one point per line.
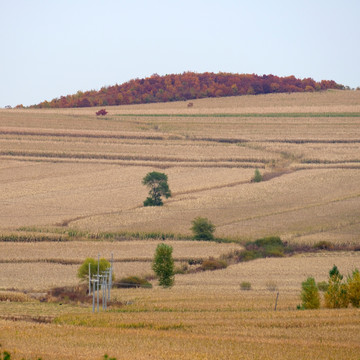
x=293, y=203
x=286, y=273
x=225, y=327
x=77, y=251
x=95, y=203
x=38, y=265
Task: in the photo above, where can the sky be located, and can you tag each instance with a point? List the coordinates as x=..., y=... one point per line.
x=52, y=48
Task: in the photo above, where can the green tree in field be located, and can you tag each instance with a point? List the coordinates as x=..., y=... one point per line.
x=257, y=177
x=353, y=283
x=158, y=185
x=336, y=295
x=83, y=271
x=310, y=294
x=203, y=229
x=163, y=265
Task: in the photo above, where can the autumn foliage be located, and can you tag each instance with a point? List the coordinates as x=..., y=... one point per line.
x=187, y=86
x=101, y=112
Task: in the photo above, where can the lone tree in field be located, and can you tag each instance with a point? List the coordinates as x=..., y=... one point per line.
x=83, y=271
x=257, y=176
x=202, y=229
x=163, y=265
x=157, y=183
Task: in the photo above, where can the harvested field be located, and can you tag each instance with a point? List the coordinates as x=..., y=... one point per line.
x=41, y=265
x=77, y=251
x=66, y=174
x=68, y=167
x=204, y=315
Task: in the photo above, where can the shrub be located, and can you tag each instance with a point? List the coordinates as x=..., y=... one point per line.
x=163, y=265
x=194, y=261
x=203, y=229
x=101, y=112
x=83, y=271
x=353, y=283
x=181, y=269
x=336, y=295
x=245, y=285
x=310, y=294
x=257, y=176
x=324, y=245
x=323, y=286
x=133, y=282
x=270, y=246
x=248, y=255
x=69, y=294
x=213, y=264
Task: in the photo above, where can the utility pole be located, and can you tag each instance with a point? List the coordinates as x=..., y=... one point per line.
x=89, y=280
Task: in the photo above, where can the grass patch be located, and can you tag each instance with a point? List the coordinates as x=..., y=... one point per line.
x=30, y=238
x=106, y=322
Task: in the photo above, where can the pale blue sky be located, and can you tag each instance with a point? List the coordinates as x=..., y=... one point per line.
x=51, y=48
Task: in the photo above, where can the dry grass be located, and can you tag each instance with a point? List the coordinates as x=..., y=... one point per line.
x=67, y=166
x=231, y=335
x=203, y=316
x=77, y=251
x=40, y=266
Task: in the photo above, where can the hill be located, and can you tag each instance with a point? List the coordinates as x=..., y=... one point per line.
x=187, y=86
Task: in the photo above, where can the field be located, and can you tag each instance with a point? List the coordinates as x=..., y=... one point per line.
x=73, y=181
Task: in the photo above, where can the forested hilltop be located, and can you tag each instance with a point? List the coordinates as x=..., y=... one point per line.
x=187, y=86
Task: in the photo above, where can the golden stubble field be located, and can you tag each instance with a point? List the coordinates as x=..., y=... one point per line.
x=65, y=170
x=69, y=167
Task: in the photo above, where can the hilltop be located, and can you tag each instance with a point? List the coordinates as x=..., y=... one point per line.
x=187, y=86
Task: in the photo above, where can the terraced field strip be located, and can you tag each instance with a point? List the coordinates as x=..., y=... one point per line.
x=249, y=115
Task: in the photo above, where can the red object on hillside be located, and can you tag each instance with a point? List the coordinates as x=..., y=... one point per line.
x=101, y=112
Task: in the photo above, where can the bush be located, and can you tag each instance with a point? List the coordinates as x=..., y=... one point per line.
x=203, y=229
x=270, y=246
x=245, y=285
x=101, y=112
x=213, y=264
x=133, y=282
x=181, y=269
x=353, y=283
x=336, y=295
x=163, y=265
x=323, y=286
x=324, y=245
x=257, y=176
x=248, y=255
x=310, y=294
x=83, y=271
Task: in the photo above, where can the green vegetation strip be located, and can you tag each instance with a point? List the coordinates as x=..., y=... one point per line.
x=92, y=321
x=246, y=115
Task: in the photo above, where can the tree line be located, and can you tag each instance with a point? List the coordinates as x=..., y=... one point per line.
x=187, y=86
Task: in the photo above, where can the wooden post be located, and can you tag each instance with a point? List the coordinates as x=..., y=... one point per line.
x=276, y=301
